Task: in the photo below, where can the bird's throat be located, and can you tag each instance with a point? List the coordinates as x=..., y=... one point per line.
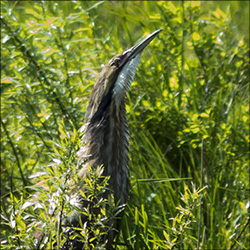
x=124, y=79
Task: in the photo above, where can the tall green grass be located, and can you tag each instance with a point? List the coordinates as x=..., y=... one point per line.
x=188, y=114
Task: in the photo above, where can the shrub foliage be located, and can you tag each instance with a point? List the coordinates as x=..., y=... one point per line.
x=187, y=111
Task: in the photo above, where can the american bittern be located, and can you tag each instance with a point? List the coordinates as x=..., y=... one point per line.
x=106, y=128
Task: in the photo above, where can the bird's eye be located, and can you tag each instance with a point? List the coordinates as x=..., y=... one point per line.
x=115, y=62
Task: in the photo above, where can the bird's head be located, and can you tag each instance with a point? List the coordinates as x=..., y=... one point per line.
x=115, y=80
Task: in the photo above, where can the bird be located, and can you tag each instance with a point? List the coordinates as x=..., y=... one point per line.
x=105, y=134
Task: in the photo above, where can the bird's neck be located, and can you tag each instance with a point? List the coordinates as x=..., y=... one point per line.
x=106, y=143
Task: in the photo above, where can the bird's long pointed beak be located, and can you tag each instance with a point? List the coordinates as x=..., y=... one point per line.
x=138, y=48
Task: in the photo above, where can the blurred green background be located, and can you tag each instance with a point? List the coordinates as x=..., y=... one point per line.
x=188, y=112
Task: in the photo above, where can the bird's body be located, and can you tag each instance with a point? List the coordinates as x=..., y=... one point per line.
x=106, y=131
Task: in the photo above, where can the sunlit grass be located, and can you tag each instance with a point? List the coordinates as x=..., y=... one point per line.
x=191, y=89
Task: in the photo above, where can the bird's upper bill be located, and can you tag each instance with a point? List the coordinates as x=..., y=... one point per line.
x=138, y=48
